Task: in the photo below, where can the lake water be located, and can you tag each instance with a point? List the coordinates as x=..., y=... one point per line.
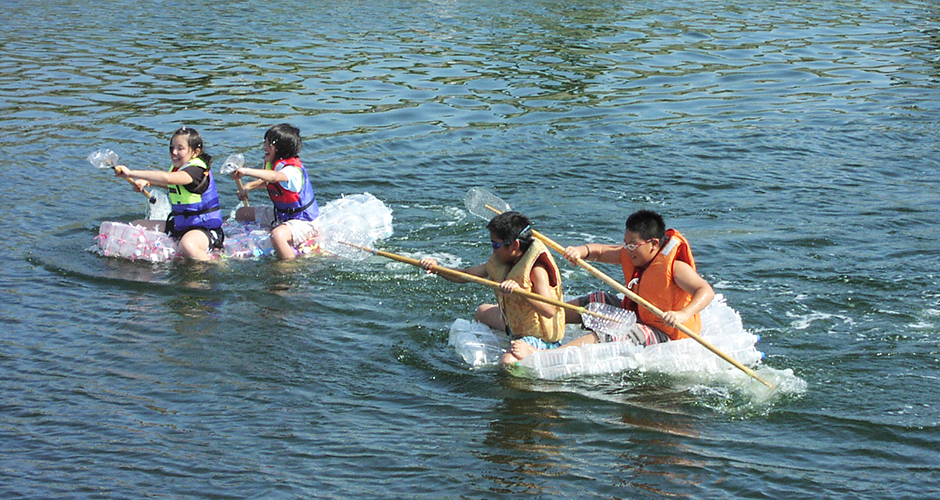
x=794, y=143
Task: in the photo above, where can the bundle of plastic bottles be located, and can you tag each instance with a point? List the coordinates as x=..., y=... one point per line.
x=481, y=348
x=245, y=240
x=359, y=212
x=339, y=219
x=130, y=241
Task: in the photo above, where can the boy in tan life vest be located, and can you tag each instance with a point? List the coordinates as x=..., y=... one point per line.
x=518, y=261
x=659, y=267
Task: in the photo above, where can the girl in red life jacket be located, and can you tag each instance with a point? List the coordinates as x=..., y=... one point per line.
x=288, y=186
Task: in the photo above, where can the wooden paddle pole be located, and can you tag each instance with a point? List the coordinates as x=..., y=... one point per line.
x=482, y=281
x=153, y=199
x=241, y=189
x=643, y=302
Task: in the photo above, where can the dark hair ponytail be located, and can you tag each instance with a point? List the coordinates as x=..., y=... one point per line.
x=285, y=138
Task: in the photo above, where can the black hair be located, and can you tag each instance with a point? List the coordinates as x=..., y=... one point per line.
x=285, y=138
x=647, y=224
x=509, y=226
x=194, y=140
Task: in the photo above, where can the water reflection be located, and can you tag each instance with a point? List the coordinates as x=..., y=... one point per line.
x=533, y=437
x=658, y=460
x=522, y=442
x=765, y=121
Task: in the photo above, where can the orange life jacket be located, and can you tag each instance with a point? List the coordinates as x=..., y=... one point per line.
x=655, y=284
x=517, y=312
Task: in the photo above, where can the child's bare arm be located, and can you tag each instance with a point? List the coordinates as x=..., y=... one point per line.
x=262, y=174
x=155, y=177
x=541, y=284
x=696, y=286
x=609, y=254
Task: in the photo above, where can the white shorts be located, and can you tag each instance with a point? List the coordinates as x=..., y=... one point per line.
x=300, y=231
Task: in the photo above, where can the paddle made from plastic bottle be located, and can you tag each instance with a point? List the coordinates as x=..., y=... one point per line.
x=231, y=164
x=105, y=158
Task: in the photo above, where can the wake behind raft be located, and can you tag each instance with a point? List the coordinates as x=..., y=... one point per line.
x=481, y=348
x=363, y=213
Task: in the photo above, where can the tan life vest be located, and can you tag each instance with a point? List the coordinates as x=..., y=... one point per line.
x=655, y=283
x=522, y=319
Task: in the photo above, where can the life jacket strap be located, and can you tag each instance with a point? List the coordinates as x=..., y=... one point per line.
x=296, y=210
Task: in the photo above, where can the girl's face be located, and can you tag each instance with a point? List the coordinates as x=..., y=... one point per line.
x=180, y=153
x=268, y=152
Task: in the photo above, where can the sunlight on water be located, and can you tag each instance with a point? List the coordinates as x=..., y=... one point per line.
x=793, y=144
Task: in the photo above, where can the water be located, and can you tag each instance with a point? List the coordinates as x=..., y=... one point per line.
x=795, y=144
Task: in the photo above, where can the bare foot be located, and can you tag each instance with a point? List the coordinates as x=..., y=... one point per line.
x=521, y=349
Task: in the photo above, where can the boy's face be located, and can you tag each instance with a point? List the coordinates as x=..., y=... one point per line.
x=180, y=153
x=505, y=251
x=640, y=251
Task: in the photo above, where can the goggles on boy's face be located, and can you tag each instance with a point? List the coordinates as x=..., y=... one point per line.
x=497, y=246
x=633, y=246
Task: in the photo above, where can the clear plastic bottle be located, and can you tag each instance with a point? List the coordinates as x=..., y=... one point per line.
x=555, y=363
x=478, y=345
x=687, y=355
x=262, y=243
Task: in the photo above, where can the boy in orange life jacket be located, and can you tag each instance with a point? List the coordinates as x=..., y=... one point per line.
x=659, y=267
x=518, y=261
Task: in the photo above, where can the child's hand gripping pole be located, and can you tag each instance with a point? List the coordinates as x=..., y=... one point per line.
x=609, y=324
x=484, y=204
x=233, y=163
x=105, y=158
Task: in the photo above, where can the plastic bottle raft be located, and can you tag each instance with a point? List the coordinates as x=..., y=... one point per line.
x=245, y=240
x=481, y=348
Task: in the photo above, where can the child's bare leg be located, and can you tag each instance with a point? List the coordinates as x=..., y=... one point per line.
x=490, y=315
x=281, y=240
x=573, y=317
x=195, y=245
x=518, y=350
x=590, y=338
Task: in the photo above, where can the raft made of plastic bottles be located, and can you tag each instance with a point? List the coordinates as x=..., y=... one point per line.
x=130, y=241
x=251, y=239
x=481, y=348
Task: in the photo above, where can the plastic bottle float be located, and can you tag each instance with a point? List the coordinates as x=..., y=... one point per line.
x=481, y=348
x=246, y=240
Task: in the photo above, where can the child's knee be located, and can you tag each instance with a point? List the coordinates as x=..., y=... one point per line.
x=483, y=313
x=281, y=234
x=194, y=245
